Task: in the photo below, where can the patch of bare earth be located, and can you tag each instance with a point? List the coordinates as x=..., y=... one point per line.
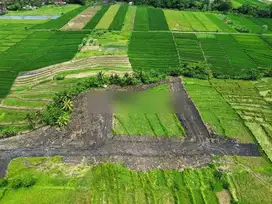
x=79, y=22
x=224, y=197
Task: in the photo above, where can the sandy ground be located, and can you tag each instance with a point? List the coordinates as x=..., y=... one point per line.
x=79, y=22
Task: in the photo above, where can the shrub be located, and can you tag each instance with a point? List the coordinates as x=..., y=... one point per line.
x=197, y=70
x=25, y=180
x=241, y=29
x=3, y=183
x=59, y=77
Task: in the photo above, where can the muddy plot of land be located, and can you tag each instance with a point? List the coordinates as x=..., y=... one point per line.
x=89, y=134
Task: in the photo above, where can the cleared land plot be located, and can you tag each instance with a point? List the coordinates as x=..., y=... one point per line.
x=95, y=20
x=153, y=51
x=108, y=17
x=47, y=10
x=215, y=111
x=61, y=21
x=141, y=19
x=146, y=113
x=119, y=18
x=118, y=184
x=157, y=19
x=246, y=100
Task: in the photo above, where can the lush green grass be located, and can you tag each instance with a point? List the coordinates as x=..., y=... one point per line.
x=141, y=19
x=108, y=17
x=97, y=17
x=119, y=18
x=12, y=116
x=215, y=111
x=61, y=21
x=146, y=113
x=157, y=19
x=153, y=52
x=47, y=10
x=57, y=182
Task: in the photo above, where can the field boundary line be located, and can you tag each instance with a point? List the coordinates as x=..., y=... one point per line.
x=176, y=46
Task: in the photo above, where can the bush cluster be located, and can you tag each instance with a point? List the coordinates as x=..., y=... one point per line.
x=24, y=180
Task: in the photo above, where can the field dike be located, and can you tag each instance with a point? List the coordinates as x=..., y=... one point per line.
x=46, y=73
x=89, y=135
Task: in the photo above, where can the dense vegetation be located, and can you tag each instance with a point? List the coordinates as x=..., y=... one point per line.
x=38, y=49
x=95, y=20
x=119, y=18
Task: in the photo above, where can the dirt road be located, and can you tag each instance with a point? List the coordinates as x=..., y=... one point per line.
x=89, y=135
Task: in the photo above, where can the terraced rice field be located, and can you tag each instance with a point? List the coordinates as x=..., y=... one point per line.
x=138, y=115
x=119, y=18
x=61, y=21
x=108, y=17
x=34, y=90
x=189, y=48
x=246, y=99
x=119, y=184
x=216, y=111
x=195, y=21
x=97, y=17
x=153, y=52
x=129, y=19
x=38, y=49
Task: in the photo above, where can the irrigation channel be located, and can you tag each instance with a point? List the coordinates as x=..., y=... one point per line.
x=89, y=136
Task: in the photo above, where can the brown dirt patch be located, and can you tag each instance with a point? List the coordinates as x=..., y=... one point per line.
x=224, y=197
x=79, y=22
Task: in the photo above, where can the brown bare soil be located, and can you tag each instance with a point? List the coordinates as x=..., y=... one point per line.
x=224, y=197
x=79, y=22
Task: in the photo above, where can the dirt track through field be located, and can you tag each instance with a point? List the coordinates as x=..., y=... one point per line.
x=79, y=22
x=89, y=135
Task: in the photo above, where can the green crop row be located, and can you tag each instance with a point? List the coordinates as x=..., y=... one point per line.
x=110, y=183
x=157, y=19
x=119, y=18
x=97, y=17
x=141, y=19
x=61, y=21
x=37, y=50
x=153, y=51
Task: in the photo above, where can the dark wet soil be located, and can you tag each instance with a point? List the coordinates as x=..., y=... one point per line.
x=89, y=136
